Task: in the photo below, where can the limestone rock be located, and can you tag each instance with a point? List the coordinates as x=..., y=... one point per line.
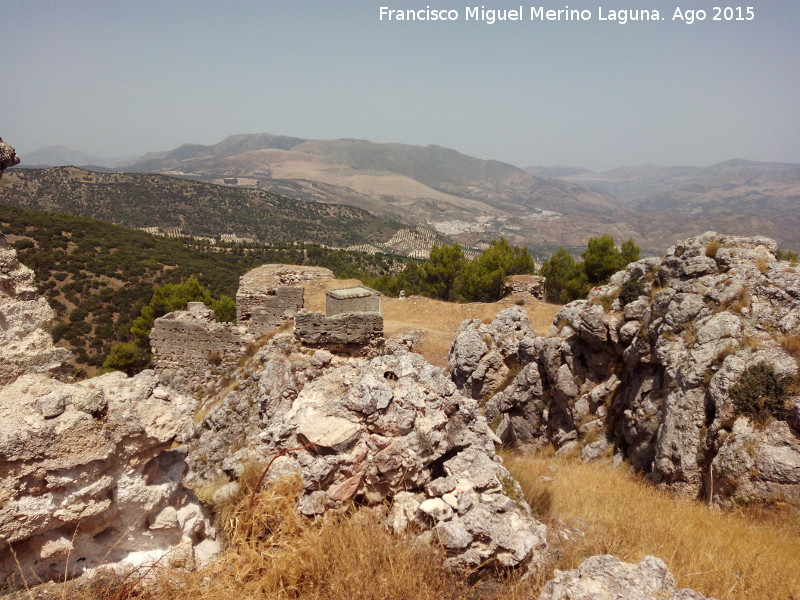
x=653, y=377
x=8, y=157
x=605, y=577
x=483, y=356
x=90, y=475
x=24, y=320
x=391, y=429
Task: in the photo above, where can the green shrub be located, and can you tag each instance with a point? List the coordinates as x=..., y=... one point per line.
x=23, y=244
x=787, y=255
x=760, y=394
x=631, y=290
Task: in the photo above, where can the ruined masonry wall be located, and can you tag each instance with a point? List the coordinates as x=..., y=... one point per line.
x=263, y=311
x=190, y=347
x=335, y=306
x=347, y=329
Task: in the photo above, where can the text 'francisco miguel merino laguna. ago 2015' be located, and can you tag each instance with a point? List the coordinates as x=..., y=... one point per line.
x=540, y=13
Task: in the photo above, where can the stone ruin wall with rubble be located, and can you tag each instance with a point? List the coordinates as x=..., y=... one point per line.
x=190, y=348
x=262, y=311
x=270, y=295
x=344, y=330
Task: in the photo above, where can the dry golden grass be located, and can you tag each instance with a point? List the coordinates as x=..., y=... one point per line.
x=712, y=248
x=438, y=319
x=730, y=555
x=791, y=343
x=275, y=553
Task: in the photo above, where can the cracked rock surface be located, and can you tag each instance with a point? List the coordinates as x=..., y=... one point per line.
x=644, y=367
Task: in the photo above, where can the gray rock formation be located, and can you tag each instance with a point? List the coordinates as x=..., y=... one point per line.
x=652, y=375
x=608, y=578
x=8, y=157
x=89, y=476
x=483, y=358
x=88, y=471
x=392, y=429
x=25, y=316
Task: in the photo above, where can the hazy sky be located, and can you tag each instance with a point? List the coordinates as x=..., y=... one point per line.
x=123, y=78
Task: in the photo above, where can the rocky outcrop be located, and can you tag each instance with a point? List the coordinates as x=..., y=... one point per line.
x=8, y=157
x=608, y=578
x=484, y=358
x=650, y=364
x=90, y=473
x=25, y=316
x=89, y=477
x=191, y=349
x=343, y=331
x=261, y=391
x=391, y=430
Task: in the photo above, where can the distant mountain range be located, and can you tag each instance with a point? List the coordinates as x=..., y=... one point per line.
x=736, y=196
x=57, y=156
x=474, y=200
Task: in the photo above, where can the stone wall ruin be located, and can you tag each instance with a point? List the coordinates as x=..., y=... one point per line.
x=342, y=331
x=525, y=285
x=191, y=349
x=357, y=299
x=270, y=295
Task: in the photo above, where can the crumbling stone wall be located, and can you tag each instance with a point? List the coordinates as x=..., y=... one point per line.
x=270, y=295
x=525, y=285
x=264, y=310
x=339, y=331
x=190, y=348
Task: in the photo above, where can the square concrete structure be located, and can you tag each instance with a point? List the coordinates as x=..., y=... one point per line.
x=353, y=299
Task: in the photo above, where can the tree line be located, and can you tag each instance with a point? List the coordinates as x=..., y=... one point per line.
x=448, y=275
x=568, y=279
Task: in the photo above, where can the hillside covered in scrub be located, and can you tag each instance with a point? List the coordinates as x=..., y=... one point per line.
x=97, y=276
x=195, y=208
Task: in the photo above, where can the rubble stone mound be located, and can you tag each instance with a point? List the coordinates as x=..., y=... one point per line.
x=646, y=366
x=25, y=316
x=605, y=577
x=393, y=430
x=90, y=477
